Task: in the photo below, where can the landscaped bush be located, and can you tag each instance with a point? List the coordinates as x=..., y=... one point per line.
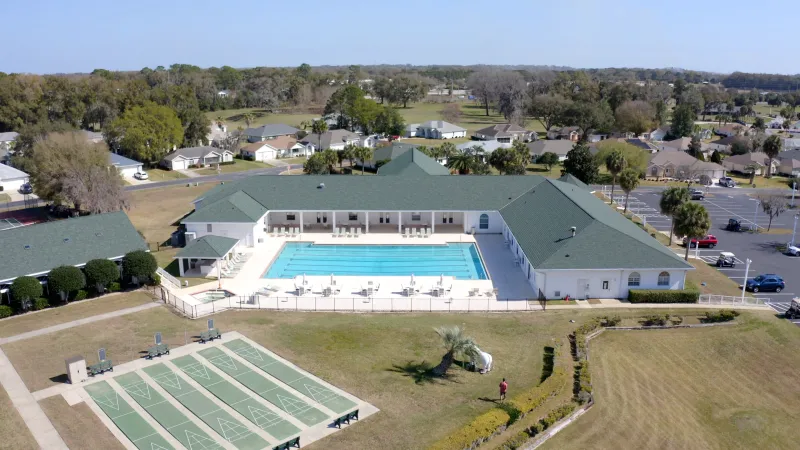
x=583, y=382
x=64, y=280
x=612, y=321
x=80, y=295
x=5, y=311
x=517, y=441
x=139, y=265
x=101, y=272
x=655, y=320
x=24, y=290
x=663, y=296
x=533, y=398
x=547, y=421
x=477, y=432
x=114, y=287
x=40, y=303
x=723, y=315
x=248, y=158
x=676, y=320
x=155, y=280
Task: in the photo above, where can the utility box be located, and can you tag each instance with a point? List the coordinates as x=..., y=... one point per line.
x=76, y=369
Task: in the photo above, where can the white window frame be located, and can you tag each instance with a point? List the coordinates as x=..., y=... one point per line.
x=634, y=281
x=209, y=228
x=663, y=281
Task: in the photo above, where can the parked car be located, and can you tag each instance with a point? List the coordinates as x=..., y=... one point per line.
x=734, y=225
x=141, y=175
x=727, y=182
x=766, y=282
x=709, y=241
x=26, y=189
x=794, y=309
x=726, y=259
x=793, y=250
x=697, y=194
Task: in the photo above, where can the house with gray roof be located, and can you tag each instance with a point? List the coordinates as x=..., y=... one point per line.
x=331, y=139
x=34, y=250
x=566, y=242
x=413, y=162
x=185, y=158
x=269, y=131
x=486, y=147
x=559, y=147
x=11, y=179
x=439, y=129
x=506, y=133
x=126, y=166
x=7, y=139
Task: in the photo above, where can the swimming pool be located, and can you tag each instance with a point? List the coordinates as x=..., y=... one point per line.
x=459, y=260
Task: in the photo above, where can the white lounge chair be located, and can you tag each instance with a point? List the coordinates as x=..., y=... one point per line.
x=274, y=231
x=427, y=232
x=342, y=231
x=283, y=231
x=405, y=232
x=336, y=232
x=419, y=232
x=297, y=231
x=358, y=232
x=348, y=232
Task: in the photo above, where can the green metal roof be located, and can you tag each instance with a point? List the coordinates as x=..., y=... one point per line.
x=539, y=211
x=238, y=207
x=391, y=151
x=571, y=179
x=36, y=249
x=208, y=247
x=413, y=162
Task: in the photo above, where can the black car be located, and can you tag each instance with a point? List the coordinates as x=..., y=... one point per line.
x=696, y=194
x=26, y=189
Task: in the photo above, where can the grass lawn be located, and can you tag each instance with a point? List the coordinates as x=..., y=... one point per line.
x=541, y=169
x=153, y=211
x=15, y=433
x=724, y=387
x=239, y=165
x=165, y=260
x=775, y=182
x=73, y=311
x=298, y=160
x=4, y=197
x=159, y=174
x=78, y=425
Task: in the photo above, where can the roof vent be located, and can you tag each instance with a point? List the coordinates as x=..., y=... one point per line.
x=27, y=247
x=98, y=234
x=321, y=186
x=66, y=239
x=572, y=229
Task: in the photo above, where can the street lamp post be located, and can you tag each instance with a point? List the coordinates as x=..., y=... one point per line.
x=746, y=271
x=794, y=189
x=755, y=213
x=794, y=228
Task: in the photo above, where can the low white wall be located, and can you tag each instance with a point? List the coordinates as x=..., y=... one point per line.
x=472, y=220
x=247, y=233
x=602, y=283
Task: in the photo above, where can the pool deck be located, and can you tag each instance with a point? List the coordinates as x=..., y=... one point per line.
x=505, y=276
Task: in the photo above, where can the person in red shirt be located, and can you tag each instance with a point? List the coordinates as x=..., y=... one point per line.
x=503, y=389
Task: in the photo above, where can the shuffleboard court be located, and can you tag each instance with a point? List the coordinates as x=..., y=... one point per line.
x=167, y=415
x=204, y=408
x=242, y=402
x=299, y=381
x=132, y=425
x=266, y=389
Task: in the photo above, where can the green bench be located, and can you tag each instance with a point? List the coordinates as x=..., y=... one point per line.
x=346, y=419
x=102, y=366
x=288, y=444
x=157, y=350
x=210, y=335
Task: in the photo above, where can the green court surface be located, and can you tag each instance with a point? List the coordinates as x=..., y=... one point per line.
x=242, y=402
x=167, y=415
x=265, y=388
x=143, y=436
x=300, y=382
x=203, y=407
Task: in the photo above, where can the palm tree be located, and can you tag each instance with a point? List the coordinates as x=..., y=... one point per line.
x=628, y=181
x=671, y=199
x=318, y=127
x=455, y=343
x=615, y=163
x=691, y=221
x=248, y=118
x=772, y=147
x=447, y=150
x=364, y=154
x=348, y=153
x=462, y=162
x=330, y=158
x=751, y=169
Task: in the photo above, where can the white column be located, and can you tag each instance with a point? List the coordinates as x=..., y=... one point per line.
x=333, y=220
x=366, y=218
x=301, y=221
x=219, y=273
x=433, y=222
x=266, y=222
x=399, y=222
x=180, y=266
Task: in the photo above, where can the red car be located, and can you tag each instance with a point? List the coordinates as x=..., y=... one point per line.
x=709, y=241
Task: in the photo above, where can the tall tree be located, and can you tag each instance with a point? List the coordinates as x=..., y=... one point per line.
x=690, y=220
x=389, y=121
x=146, y=133
x=635, y=116
x=549, y=109
x=695, y=147
x=589, y=117
x=549, y=159
x=671, y=199
x=68, y=169
x=682, y=121
x=407, y=89
x=772, y=146
x=483, y=84
x=319, y=127
x=581, y=164
x=364, y=154
x=772, y=205
x=455, y=343
x=628, y=181
x=758, y=124
x=511, y=96
x=615, y=163
x=716, y=157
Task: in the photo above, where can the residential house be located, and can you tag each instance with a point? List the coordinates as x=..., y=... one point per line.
x=683, y=166
x=566, y=133
x=411, y=163
x=217, y=133
x=659, y=133
x=34, y=250
x=725, y=144
x=642, y=144
x=269, y=131
x=504, y=133
x=789, y=167
x=731, y=129
x=382, y=155
x=486, y=147
x=439, y=129
x=183, y=158
x=331, y=139
x=7, y=140
x=777, y=122
x=411, y=130
x=559, y=147
x=741, y=163
x=126, y=166
x=280, y=147
x=792, y=143
x=566, y=241
x=11, y=179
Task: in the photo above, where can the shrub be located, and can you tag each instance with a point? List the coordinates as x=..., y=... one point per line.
x=583, y=382
x=80, y=295
x=550, y=419
x=612, y=321
x=65, y=279
x=516, y=441
x=140, y=265
x=24, y=290
x=477, y=432
x=676, y=320
x=663, y=296
x=101, y=272
x=155, y=280
x=5, y=311
x=532, y=399
x=723, y=315
x=655, y=320
x=114, y=287
x=40, y=303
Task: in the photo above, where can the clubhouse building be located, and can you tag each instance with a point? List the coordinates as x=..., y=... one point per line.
x=563, y=240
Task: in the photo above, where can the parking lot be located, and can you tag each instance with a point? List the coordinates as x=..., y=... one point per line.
x=764, y=250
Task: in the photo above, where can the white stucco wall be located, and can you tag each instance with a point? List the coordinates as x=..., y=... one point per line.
x=13, y=185
x=248, y=233
x=472, y=219
x=129, y=171
x=560, y=283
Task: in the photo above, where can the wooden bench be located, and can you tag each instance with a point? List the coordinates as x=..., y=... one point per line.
x=346, y=419
x=157, y=350
x=288, y=444
x=102, y=366
x=210, y=335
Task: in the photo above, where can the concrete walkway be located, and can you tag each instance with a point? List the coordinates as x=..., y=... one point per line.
x=190, y=173
x=36, y=420
x=76, y=323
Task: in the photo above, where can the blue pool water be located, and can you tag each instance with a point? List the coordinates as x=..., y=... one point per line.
x=459, y=260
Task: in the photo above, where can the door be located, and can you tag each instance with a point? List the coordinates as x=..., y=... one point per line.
x=582, y=289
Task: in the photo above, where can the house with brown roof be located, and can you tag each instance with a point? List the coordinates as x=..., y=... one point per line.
x=278, y=147
x=731, y=129
x=682, y=166
x=742, y=163
x=566, y=133
x=505, y=133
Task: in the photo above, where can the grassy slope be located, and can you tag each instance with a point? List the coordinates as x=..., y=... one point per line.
x=14, y=432
x=727, y=387
x=239, y=165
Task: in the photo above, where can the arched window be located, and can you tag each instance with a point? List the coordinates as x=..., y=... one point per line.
x=634, y=279
x=484, y=223
x=663, y=279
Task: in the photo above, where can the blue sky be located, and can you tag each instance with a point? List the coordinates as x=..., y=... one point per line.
x=47, y=36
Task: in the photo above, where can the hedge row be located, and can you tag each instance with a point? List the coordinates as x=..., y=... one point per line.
x=663, y=296
x=583, y=382
x=532, y=399
x=578, y=337
x=478, y=431
x=520, y=439
x=723, y=315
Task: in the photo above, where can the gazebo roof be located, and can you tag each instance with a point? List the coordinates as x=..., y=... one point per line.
x=208, y=247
